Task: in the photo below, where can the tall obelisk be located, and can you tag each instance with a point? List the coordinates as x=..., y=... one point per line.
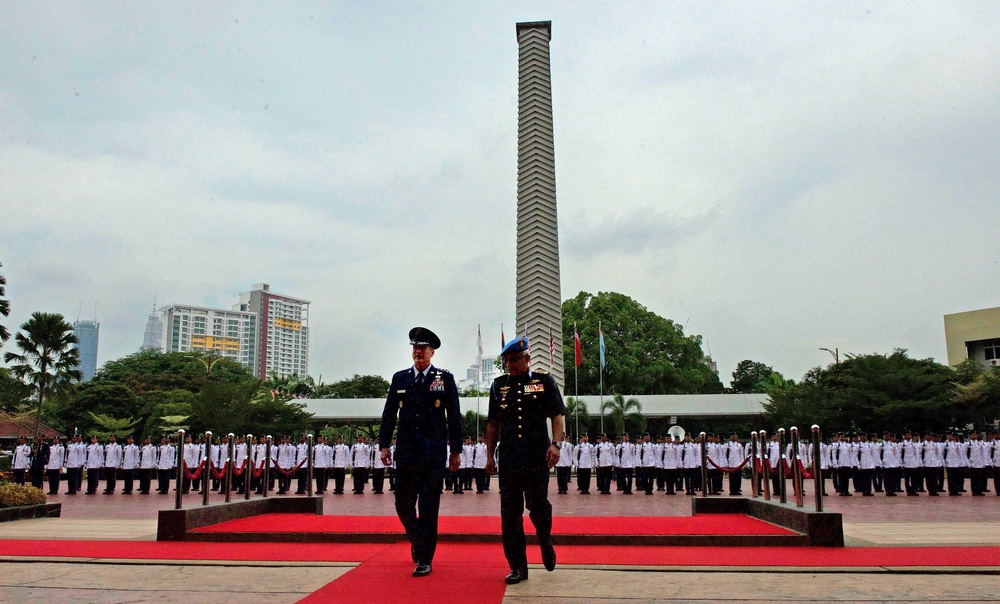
x=539, y=303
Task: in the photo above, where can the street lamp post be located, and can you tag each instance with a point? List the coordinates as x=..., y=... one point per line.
x=835, y=353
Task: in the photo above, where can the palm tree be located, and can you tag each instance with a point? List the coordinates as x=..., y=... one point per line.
x=48, y=359
x=4, y=309
x=620, y=409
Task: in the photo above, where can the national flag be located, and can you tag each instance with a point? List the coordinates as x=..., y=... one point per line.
x=601, y=332
x=576, y=346
x=479, y=356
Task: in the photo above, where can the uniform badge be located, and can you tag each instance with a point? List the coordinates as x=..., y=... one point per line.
x=437, y=385
x=534, y=387
x=400, y=404
x=437, y=403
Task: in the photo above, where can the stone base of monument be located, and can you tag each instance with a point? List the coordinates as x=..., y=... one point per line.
x=174, y=525
x=818, y=528
x=42, y=510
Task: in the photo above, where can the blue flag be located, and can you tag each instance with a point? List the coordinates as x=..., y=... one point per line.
x=601, y=332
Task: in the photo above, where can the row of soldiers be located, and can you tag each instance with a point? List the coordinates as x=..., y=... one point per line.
x=867, y=462
x=51, y=460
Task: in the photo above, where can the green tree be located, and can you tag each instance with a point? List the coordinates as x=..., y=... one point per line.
x=275, y=415
x=469, y=424
x=4, y=308
x=150, y=370
x=645, y=353
x=48, y=360
x=980, y=399
x=360, y=386
x=752, y=376
x=13, y=392
x=76, y=414
x=576, y=415
x=108, y=425
x=619, y=411
x=870, y=392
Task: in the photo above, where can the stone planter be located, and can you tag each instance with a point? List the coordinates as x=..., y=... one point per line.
x=44, y=510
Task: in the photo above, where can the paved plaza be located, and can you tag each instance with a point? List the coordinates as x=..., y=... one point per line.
x=869, y=521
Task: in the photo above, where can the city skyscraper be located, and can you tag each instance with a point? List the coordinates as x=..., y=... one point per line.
x=87, y=334
x=152, y=339
x=283, y=341
x=228, y=333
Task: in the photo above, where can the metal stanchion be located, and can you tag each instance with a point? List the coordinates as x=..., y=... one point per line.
x=206, y=470
x=180, y=470
x=754, y=474
x=229, y=467
x=782, y=487
x=309, y=465
x=796, y=470
x=267, y=464
x=817, y=468
x=248, y=470
x=765, y=465
x=704, y=464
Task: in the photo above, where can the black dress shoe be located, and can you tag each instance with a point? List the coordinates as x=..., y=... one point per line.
x=422, y=570
x=548, y=556
x=516, y=576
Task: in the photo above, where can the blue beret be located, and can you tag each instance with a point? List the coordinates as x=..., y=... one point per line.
x=515, y=345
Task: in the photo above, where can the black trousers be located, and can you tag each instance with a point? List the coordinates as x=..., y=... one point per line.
x=19, y=476
x=145, y=477
x=670, y=478
x=583, y=479
x=128, y=479
x=360, y=476
x=93, y=479
x=977, y=480
x=604, y=479
x=844, y=484
x=624, y=480
x=378, y=480
x=418, y=499
x=519, y=490
x=736, y=482
x=53, y=476
x=110, y=479
x=322, y=478
x=911, y=480
x=562, y=478
x=931, y=479
x=480, y=475
x=301, y=476
x=37, y=477
x=956, y=480
x=339, y=475
x=390, y=473
x=163, y=481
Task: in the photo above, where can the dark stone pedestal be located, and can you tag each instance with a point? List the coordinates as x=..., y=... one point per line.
x=173, y=525
x=820, y=528
x=43, y=510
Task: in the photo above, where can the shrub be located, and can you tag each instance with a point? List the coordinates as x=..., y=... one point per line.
x=18, y=495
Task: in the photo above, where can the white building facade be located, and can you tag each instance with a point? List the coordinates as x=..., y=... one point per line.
x=283, y=341
x=228, y=333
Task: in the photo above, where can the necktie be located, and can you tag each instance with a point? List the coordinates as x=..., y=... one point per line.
x=420, y=379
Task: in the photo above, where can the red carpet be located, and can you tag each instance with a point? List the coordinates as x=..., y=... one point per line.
x=490, y=553
x=460, y=569
x=702, y=524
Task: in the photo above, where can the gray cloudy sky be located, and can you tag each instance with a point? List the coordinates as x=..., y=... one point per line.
x=777, y=176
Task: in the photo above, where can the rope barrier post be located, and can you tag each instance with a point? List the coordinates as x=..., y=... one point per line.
x=309, y=465
x=796, y=470
x=783, y=488
x=229, y=467
x=765, y=465
x=180, y=470
x=206, y=468
x=754, y=476
x=817, y=469
x=704, y=464
x=266, y=475
x=248, y=468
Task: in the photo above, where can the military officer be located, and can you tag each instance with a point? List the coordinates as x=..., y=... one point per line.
x=57, y=458
x=112, y=461
x=520, y=403
x=564, y=466
x=424, y=400
x=22, y=460
x=584, y=458
x=130, y=461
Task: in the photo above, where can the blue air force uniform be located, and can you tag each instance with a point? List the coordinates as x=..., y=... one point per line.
x=426, y=404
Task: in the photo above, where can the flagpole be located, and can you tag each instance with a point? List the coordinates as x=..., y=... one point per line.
x=576, y=389
x=479, y=373
x=602, y=383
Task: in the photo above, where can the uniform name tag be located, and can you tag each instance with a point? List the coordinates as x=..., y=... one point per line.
x=437, y=386
x=401, y=391
x=534, y=387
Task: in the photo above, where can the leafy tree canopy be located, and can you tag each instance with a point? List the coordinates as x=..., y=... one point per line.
x=752, y=376
x=360, y=386
x=645, y=353
x=871, y=392
x=149, y=370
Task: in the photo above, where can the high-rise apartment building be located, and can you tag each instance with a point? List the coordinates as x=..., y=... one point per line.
x=228, y=333
x=86, y=334
x=283, y=342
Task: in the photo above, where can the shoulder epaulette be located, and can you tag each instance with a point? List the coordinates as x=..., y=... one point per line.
x=540, y=371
